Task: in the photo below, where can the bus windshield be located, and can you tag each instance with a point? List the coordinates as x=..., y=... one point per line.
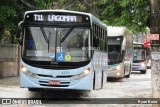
x=114, y=49
x=139, y=55
x=56, y=44
x=114, y=55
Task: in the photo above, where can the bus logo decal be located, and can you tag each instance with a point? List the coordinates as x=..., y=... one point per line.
x=67, y=57
x=52, y=55
x=60, y=56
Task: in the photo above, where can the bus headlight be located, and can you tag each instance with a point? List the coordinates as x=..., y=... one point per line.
x=25, y=71
x=118, y=67
x=81, y=75
x=142, y=64
x=115, y=67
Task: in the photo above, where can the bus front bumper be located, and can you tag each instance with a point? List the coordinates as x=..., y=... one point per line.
x=85, y=83
x=139, y=67
x=115, y=73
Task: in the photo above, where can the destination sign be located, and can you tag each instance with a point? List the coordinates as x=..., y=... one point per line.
x=60, y=18
x=57, y=17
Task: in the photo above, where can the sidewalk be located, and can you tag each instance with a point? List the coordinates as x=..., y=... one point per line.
x=9, y=81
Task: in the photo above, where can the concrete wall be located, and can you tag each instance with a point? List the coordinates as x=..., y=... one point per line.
x=8, y=60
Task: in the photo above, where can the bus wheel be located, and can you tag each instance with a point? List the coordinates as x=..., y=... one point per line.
x=94, y=82
x=102, y=81
x=128, y=76
x=143, y=71
x=33, y=89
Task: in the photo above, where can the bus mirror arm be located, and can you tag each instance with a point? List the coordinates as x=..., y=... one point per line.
x=19, y=33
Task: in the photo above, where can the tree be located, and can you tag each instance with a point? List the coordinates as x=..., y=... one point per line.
x=12, y=11
x=1, y=30
x=90, y=6
x=130, y=13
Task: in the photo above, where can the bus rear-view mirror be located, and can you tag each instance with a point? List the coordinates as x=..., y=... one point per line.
x=19, y=33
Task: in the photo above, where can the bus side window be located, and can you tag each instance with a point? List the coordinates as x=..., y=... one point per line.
x=30, y=44
x=95, y=42
x=86, y=42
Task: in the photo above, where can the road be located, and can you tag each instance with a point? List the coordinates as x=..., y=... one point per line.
x=137, y=86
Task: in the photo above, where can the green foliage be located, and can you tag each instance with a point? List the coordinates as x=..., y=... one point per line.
x=90, y=6
x=12, y=11
x=130, y=13
x=7, y=14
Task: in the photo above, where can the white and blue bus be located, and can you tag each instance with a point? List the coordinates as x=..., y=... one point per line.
x=62, y=50
x=141, y=57
x=120, y=52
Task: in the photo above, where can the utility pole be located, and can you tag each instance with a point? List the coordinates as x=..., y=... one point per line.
x=155, y=50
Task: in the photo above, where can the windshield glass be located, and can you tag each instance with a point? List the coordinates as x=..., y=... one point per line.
x=114, y=54
x=139, y=55
x=46, y=44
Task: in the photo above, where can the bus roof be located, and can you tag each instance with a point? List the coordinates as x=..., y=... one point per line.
x=38, y=11
x=68, y=11
x=116, y=31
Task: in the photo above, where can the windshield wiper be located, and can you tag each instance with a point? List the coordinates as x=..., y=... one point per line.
x=44, y=35
x=66, y=35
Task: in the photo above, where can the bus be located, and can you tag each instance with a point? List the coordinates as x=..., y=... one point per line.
x=140, y=57
x=62, y=49
x=120, y=52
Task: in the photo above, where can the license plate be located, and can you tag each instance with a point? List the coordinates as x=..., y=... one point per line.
x=54, y=82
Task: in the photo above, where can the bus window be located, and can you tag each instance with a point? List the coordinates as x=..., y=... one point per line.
x=114, y=55
x=139, y=54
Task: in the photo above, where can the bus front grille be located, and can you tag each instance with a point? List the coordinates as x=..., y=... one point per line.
x=58, y=76
x=54, y=85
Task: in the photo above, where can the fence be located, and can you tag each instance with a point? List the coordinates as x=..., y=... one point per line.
x=9, y=60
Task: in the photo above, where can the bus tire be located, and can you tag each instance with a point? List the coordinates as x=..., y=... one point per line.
x=33, y=89
x=94, y=82
x=143, y=71
x=102, y=81
x=128, y=76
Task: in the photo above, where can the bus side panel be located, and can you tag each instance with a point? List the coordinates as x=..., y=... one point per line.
x=100, y=67
x=128, y=61
x=129, y=53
